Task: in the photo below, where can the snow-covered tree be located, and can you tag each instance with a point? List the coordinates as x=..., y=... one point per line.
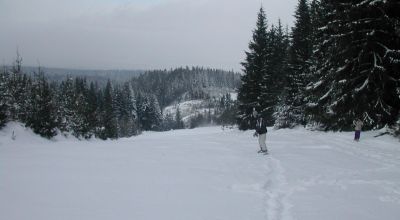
x=41, y=111
x=4, y=97
x=178, y=120
x=359, y=73
x=255, y=71
x=127, y=116
x=292, y=105
x=110, y=121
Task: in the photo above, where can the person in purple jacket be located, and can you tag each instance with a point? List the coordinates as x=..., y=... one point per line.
x=358, y=126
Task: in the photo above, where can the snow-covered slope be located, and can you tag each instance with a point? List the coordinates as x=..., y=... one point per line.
x=199, y=174
x=188, y=109
x=191, y=108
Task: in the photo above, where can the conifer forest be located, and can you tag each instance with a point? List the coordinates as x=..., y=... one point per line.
x=340, y=61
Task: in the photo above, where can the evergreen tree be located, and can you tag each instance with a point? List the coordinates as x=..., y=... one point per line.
x=81, y=124
x=127, y=112
x=168, y=122
x=41, y=117
x=149, y=112
x=178, y=120
x=292, y=108
x=18, y=87
x=155, y=113
x=110, y=122
x=255, y=71
x=93, y=109
x=66, y=106
x=359, y=74
x=322, y=13
x=4, y=97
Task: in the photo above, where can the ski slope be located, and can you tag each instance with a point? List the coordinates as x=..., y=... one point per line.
x=200, y=174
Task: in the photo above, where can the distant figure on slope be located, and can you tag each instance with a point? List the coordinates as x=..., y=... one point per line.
x=358, y=125
x=261, y=132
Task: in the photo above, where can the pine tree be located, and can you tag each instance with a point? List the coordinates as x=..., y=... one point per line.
x=66, y=106
x=127, y=112
x=293, y=106
x=4, y=97
x=41, y=117
x=110, y=121
x=149, y=112
x=155, y=113
x=81, y=128
x=178, y=120
x=322, y=15
x=271, y=78
x=255, y=69
x=93, y=109
x=18, y=87
x=359, y=75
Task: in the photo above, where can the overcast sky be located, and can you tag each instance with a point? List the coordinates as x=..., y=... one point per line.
x=133, y=34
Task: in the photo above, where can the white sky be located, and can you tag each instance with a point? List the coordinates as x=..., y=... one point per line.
x=133, y=34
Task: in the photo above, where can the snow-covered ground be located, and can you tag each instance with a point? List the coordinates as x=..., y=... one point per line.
x=200, y=174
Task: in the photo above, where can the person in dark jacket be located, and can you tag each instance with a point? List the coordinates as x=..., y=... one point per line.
x=261, y=132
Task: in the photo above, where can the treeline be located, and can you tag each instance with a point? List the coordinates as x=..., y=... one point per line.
x=75, y=106
x=340, y=61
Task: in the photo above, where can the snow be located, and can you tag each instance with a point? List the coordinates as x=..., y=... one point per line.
x=187, y=109
x=362, y=86
x=198, y=174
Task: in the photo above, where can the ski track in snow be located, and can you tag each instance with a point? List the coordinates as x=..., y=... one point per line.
x=276, y=191
x=307, y=176
x=280, y=192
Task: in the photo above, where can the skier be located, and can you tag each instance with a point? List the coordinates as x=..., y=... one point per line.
x=261, y=132
x=358, y=125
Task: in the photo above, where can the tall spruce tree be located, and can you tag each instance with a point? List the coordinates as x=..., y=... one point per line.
x=322, y=15
x=93, y=108
x=41, y=117
x=255, y=69
x=110, y=122
x=279, y=68
x=4, y=97
x=360, y=70
x=81, y=120
x=66, y=106
x=293, y=106
x=127, y=112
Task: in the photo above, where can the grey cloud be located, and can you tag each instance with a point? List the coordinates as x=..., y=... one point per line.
x=135, y=36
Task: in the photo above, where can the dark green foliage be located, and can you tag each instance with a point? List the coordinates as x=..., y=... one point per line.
x=255, y=71
x=226, y=111
x=265, y=70
x=4, y=97
x=149, y=113
x=109, y=119
x=41, y=110
x=359, y=74
x=93, y=109
x=291, y=110
x=126, y=111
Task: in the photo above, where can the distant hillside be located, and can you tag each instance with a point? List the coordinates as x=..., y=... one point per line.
x=99, y=76
x=183, y=84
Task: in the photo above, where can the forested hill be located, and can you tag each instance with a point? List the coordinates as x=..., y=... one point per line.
x=99, y=76
x=184, y=84
x=85, y=108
